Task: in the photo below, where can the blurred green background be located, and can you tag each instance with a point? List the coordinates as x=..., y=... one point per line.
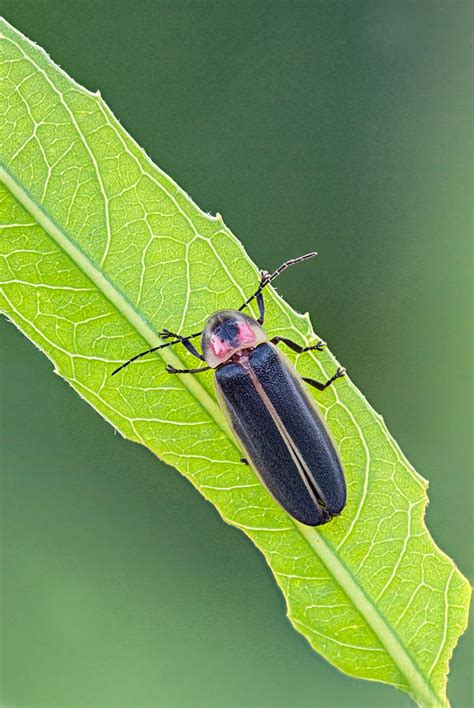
x=343, y=127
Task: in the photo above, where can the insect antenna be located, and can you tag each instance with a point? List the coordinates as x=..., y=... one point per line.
x=268, y=277
x=137, y=356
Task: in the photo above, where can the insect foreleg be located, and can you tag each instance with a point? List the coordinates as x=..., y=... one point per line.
x=261, y=308
x=166, y=334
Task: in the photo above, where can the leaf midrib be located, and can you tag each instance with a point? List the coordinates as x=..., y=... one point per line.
x=118, y=300
x=422, y=691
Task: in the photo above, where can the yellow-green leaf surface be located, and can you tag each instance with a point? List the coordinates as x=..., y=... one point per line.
x=99, y=251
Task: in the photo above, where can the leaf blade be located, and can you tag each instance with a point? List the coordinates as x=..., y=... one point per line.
x=142, y=243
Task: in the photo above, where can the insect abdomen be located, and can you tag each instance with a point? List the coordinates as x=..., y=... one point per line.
x=303, y=422
x=278, y=426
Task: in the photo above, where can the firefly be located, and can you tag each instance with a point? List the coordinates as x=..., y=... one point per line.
x=268, y=407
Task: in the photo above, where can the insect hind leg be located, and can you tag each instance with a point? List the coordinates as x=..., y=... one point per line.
x=322, y=386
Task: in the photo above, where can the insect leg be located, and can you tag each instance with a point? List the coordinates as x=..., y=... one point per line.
x=340, y=372
x=166, y=334
x=244, y=461
x=296, y=347
x=261, y=308
x=171, y=370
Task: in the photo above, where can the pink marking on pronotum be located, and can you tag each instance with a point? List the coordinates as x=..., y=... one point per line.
x=220, y=347
x=246, y=333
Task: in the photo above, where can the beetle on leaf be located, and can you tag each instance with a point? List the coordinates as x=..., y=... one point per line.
x=268, y=407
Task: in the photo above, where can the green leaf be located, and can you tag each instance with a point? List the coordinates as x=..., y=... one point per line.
x=99, y=250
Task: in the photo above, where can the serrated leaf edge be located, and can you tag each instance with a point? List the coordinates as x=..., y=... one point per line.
x=421, y=690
